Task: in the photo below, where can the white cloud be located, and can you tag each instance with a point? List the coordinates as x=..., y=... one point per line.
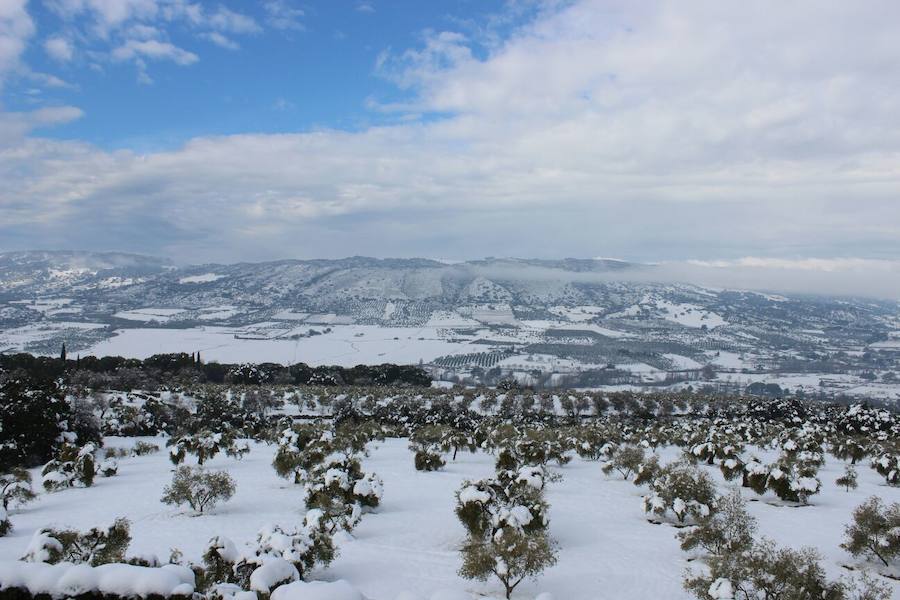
x=59, y=48
x=365, y=7
x=16, y=27
x=220, y=40
x=224, y=19
x=153, y=49
x=281, y=14
x=14, y=126
x=654, y=130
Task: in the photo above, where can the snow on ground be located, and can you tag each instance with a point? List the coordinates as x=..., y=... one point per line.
x=345, y=345
x=607, y=549
x=683, y=362
x=150, y=315
x=204, y=278
x=19, y=337
x=690, y=315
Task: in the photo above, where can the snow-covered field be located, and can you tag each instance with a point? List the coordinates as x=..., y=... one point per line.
x=344, y=345
x=608, y=549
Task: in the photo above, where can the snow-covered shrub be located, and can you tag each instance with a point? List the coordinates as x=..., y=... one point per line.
x=768, y=572
x=875, y=531
x=143, y=448
x=237, y=449
x=755, y=476
x=72, y=466
x=626, y=460
x=588, y=442
x=426, y=460
x=204, y=445
x=198, y=488
x=647, y=470
x=848, y=479
x=852, y=448
x=682, y=489
x=511, y=555
x=729, y=530
x=340, y=489
x=486, y=505
x=15, y=488
x=887, y=464
x=454, y=440
x=303, y=547
x=94, y=547
x=426, y=443
x=108, y=468
x=300, y=449
x=715, y=448
x=506, y=527
x=793, y=482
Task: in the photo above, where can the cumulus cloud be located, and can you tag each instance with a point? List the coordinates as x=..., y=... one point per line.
x=658, y=130
x=59, y=48
x=16, y=27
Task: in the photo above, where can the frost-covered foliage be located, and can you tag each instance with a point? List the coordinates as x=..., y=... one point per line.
x=426, y=443
x=204, y=445
x=143, y=448
x=198, y=488
x=277, y=556
x=15, y=489
x=848, y=479
x=340, y=489
x=791, y=481
x=852, y=448
x=767, y=572
x=727, y=531
x=683, y=490
x=626, y=460
x=73, y=466
x=875, y=531
x=300, y=449
x=887, y=464
x=506, y=522
x=95, y=547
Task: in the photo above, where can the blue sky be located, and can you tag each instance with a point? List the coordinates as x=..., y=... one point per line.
x=314, y=69
x=715, y=131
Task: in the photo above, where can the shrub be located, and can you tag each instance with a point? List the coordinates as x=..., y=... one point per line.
x=848, y=479
x=143, y=448
x=626, y=460
x=765, y=572
x=875, y=531
x=682, y=489
x=72, y=465
x=506, y=525
x=511, y=555
x=198, y=488
x=15, y=488
x=426, y=460
x=94, y=547
x=339, y=488
x=729, y=530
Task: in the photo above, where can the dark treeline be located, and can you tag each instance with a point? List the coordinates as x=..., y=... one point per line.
x=178, y=369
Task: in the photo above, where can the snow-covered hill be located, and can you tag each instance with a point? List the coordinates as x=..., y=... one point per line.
x=521, y=316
